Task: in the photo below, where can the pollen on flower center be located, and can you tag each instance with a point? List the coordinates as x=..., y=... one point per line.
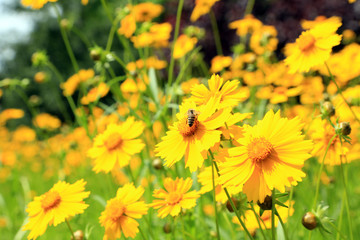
x=306, y=41
x=116, y=210
x=173, y=198
x=51, y=200
x=259, y=149
x=113, y=141
x=186, y=130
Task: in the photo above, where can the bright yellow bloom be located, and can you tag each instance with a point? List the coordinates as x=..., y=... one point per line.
x=175, y=197
x=264, y=40
x=313, y=47
x=252, y=224
x=271, y=155
x=62, y=201
x=157, y=37
x=10, y=113
x=40, y=77
x=183, y=45
x=247, y=25
x=128, y=26
x=95, y=93
x=146, y=11
x=202, y=7
x=73, y=82
x=35, y=4
x=24, y=134
x=121, y=211
x=116, y=145
x=192, y=141
x=308, y=24
x=187, y=85
x=46, y=121
x=228, y=92
x=218, y=63
x=84, y=2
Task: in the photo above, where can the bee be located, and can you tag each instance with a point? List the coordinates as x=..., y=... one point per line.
x=191, y=116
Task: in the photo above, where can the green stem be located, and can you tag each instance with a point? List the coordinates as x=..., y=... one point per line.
x=258, y=221
x=216, y=34
x=176, y=34
x=108, y=13
x=66, y=41
x=70, y=229
x=214, y=195
x=249, y=7
x=283, y=225
x=341, y=217
x=111, y=36
x=273, y=236
x=340, y=92
x=320, y=171
x=347, y=205
x=142, y=234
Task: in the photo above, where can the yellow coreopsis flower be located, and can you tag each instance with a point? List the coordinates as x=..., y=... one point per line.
x=35, y=4
x=62, y=201
x=228, y=92
x=313, y=47
x=218, y=63
x=95, y=93
x=195, y=139
x=183, y=45
x=128, y=26
x=146, y=11
x=247, y=25
x=202, y=7
x=271, y=155
x=175, y=197
x=121, y=211
x=115, y=146
x=46, y=121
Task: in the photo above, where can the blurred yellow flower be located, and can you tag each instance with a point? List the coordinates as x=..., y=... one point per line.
x=128, y=26
x=116, y=145
x=62, y=201
x=187, y=85
x=175, y=197
x=270, y=156
x=10, y=113
x=46, y=121
x=121, y=211
x=246, y=25
x=40, y=77
x=35, y=4
x=183, y=45
x=73, y=82
x=312, y=47
x=218, y=63
x=146, y=11
x=308, y=24
x=202, y=7
x=24, y=134
x=95, y=93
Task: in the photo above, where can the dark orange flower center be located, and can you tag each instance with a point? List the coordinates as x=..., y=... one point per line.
x=306, y=41
x=173, y=198
x=114, y=141
x=259, y=149
x=186, y=130
x=51, y=200
x=116, y=210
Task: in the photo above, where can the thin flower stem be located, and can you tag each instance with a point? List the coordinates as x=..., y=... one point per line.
x=341, y=217
x=231, y=201
x=347, y=205
x=216, y=33
x=142, y=234
x=337, y=230
x=131, y=174
x=111, y=36
x=66, y=41
x=258, y=221
x=290, y=205
x=176, y=34
x=214, y=195
x=319, y=174
x=108, y=13
x=283, y=226
x=273, y=215
x=70, y=229
x=340, y=92
x=249, y=7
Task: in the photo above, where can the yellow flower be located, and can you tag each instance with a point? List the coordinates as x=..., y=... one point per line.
x=228, y=92
x=202, y=7
x=24, y=134
x=218, y=63
x=40, y=77
x=84, y=2
x=157, y=37
x=247, y=25
x=115, y=146
x=10, y=113
x=183, y=45
x=271, y=155
x=192, y=141
x=73, y=82
x=95, y=93
x=307, y=24
x=62, y=201
x=313, y=47
x=146, y=11
x=121, y=211
x=35, y=4
x=46, y=121
x=175, y=197
x=128, y=26
x=187, y=85
x=264, y=40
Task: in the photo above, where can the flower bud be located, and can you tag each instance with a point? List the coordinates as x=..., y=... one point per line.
x=39, y=58
x=328, y=109
x=229, y=207
x=345, y=128
x=267, y=204
x=167, y=228
x=157, y=163
x=79, y=235
x=309, y=221
x=95, y=54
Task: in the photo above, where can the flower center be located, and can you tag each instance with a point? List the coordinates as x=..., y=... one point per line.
x=114, y=141
x=173, y=198
x=306, y=41
x=116, y=210
x=259, y=149
x=51, y=200
x=185, y=129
